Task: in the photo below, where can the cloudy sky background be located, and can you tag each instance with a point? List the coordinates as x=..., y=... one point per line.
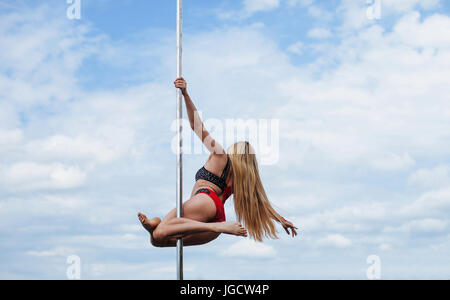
x=86, y=114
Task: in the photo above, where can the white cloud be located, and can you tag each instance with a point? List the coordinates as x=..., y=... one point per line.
x=29, y=175
x=74, y=148
x=61, y=204
x=394, y=162
x=354, y=218
x=61, y=251
x=433, y=203
x=313, y=9
x=400, y=6
x=385, y=247
x=300, y=2
x=335, y=240
x=421, y=226
x=353, y=15
x=320, y=13
x=8, y=137
x=431, y=33
x=149, y=270
x=252, y=6
x=319, y=33
x=296, y=48
x=430, y=178
x=249, y=249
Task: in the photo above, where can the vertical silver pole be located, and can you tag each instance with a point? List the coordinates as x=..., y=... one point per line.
x=180, y=138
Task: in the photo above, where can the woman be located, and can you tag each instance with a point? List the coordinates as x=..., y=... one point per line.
x=223, y=175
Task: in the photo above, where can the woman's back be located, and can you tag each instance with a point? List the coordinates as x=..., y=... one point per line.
x=215, y=175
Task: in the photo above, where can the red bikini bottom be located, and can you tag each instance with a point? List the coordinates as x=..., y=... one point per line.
x=220, y=209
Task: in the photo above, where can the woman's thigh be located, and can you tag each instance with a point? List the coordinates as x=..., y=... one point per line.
x=194, y=239
x=199, y=208
x=191, y=210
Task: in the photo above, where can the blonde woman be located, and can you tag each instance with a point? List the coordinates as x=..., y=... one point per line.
x=234, y=172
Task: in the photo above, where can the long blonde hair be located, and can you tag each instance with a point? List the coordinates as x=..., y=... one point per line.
x=250, y=200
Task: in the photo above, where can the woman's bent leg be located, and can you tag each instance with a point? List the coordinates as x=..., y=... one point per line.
x=182, y=227
x=189, y=240
x=197, y=212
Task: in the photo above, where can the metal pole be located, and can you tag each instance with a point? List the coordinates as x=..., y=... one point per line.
x=180, y=137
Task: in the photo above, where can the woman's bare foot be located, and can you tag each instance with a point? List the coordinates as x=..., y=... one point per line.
x=233, y=228
x=149, y=225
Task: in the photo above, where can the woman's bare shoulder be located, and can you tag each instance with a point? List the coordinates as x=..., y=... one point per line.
x=217, y=161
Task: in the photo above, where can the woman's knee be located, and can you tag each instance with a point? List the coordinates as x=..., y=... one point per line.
x=159, y=234
x=161, y=239
x=156, y=243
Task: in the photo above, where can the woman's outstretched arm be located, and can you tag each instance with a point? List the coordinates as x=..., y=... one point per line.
x=196, y=122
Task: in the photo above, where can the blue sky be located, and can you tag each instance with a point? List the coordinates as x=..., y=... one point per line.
x=87, y=108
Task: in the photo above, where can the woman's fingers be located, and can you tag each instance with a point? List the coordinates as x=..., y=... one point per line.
x=288, y=225
x=180, y=83
x=293, y=230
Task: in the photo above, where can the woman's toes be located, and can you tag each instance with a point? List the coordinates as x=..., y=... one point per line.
x=142, y=218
